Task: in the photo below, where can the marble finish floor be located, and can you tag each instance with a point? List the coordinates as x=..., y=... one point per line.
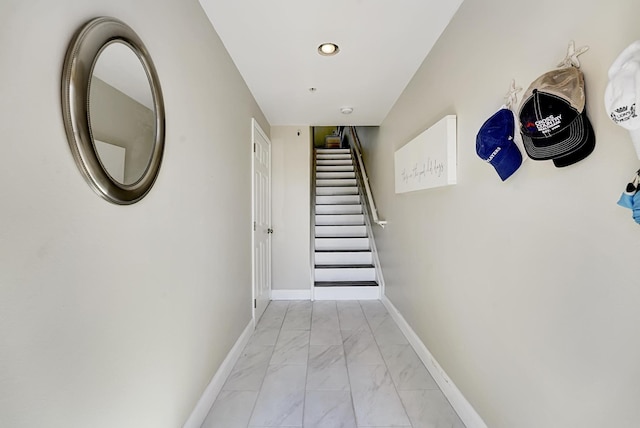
x=329, y=364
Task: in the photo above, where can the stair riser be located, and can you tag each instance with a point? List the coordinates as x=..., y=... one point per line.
x=333, y=151
x=339, y=209
x=334, y=168
x=336, y=190
x=338, y=199
x=346, y=231
x=336, y=182
x=345, y=274
x=333, y=175
x=344, y=258
x=333, y=162
x=346, y=293
x=333, y=157
x=339, y=220
x=342, y=244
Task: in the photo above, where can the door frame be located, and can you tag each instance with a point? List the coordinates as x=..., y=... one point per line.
x=255, y=127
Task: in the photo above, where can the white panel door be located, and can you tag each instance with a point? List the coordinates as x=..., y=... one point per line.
x=261, y=220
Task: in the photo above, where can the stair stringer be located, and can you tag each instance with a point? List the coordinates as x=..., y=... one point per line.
x=367, y=221
x=312, y=228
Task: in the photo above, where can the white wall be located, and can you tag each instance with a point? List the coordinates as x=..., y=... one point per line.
x=118, y=316
x=526, y=292
x=291, y=176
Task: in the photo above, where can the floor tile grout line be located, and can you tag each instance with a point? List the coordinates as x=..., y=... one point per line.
x=393, y=382
x=344, y=352
x=344, y=358
x=268, y=362
x=306, y=375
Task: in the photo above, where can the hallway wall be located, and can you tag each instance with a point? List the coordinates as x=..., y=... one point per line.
x=291, y=207
x=118, y=316
x=526, y=292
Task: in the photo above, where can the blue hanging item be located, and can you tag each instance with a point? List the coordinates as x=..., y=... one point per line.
x=494, y=143
x=630, y=198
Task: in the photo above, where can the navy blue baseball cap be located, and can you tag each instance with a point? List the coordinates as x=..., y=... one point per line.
x=494, y=143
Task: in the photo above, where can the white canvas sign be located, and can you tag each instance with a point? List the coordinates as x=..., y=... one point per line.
x=429, y=160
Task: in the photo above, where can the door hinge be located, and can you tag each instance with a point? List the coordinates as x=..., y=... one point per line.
x=255, y=304
x=254, y=147
x=254, y=226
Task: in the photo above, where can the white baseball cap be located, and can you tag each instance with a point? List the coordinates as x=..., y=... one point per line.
x=622, y=96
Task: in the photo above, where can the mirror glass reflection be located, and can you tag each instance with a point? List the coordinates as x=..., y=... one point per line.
x=121, y=111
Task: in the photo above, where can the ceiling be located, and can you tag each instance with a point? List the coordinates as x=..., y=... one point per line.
x=274, y=45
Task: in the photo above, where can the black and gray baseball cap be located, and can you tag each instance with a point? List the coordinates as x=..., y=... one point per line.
x=553, y=118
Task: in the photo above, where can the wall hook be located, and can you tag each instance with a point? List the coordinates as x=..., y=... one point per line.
x=511, y=99
x=571, y=60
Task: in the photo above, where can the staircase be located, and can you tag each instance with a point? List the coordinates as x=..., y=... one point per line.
x=343, y=267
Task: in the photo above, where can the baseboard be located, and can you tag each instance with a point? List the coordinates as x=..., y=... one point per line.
x=346, y=293
x=290, y=294
x=212, y=390
x=462, y=407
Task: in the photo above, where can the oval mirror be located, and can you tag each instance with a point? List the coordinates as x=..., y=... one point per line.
x=113, y=110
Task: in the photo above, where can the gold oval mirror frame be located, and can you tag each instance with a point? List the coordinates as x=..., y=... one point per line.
x=78, y=71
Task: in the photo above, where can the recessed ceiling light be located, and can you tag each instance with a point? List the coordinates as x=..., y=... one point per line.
x=346, y=110
x=328, y=49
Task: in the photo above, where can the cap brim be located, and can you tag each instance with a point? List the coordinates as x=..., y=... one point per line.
x=508, y=162
x=581, y=152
